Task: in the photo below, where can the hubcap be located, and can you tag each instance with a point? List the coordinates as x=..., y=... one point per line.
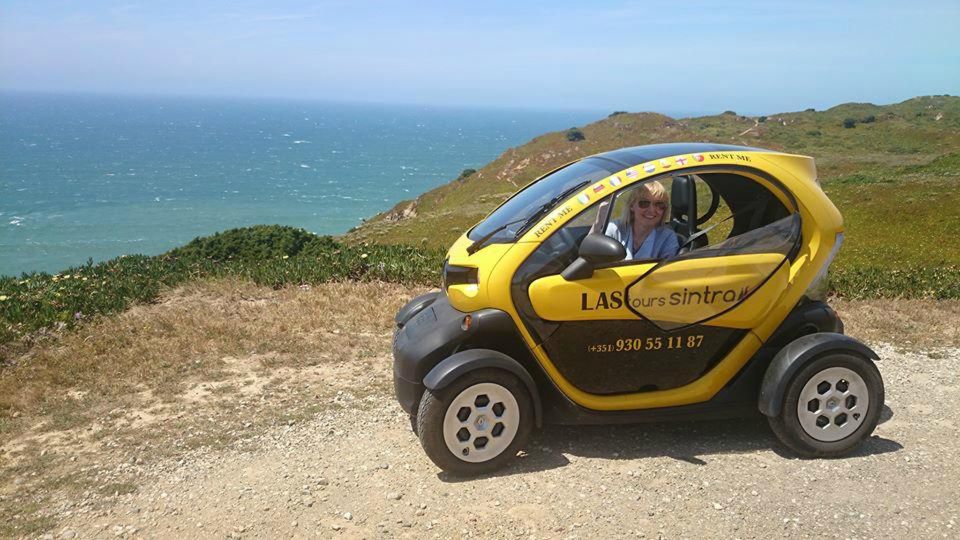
x=481, y=422
x=833, y=404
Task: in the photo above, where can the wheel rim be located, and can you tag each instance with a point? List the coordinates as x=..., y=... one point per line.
x=481, y=422
x=833, y=404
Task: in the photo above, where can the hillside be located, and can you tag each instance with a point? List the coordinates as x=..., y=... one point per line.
x=870, y=157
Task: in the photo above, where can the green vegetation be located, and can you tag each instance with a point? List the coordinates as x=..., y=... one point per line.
x=275, y=256
x=574, y=135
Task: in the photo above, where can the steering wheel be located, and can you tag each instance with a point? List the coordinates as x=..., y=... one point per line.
x=565, y=240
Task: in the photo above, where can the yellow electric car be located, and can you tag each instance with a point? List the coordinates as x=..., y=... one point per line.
x=551, y=313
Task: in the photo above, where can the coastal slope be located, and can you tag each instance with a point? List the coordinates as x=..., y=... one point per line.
x=881, y=142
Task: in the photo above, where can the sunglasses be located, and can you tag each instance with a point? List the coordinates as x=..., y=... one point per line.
x=659, y=205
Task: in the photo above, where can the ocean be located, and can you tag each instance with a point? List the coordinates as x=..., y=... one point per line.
x=84, y=176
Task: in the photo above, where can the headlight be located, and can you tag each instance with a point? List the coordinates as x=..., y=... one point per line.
x=458, y=275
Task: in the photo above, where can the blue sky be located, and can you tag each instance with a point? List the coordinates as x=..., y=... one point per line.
x=693, y=56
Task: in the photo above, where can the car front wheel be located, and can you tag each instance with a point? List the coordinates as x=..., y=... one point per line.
x=476, y=424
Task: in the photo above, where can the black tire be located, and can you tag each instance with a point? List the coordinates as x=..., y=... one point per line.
x=413, y=424
x=433, y=411
x=787, y=425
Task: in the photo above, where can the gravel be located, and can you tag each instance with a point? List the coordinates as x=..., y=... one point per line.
x=357, y=470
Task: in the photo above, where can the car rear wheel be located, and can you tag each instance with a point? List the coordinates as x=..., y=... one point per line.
x=830, y=406
x=477, y=424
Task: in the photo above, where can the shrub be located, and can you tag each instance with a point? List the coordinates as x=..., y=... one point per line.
x=574, y=135
x=616, y=113
x=730, y=113
x=762, y=119
x=849, y=123
x=868, y=119
x=811, y=109
x=250, y=243
x=814, y=133
x=270, y=255
x=465, y=173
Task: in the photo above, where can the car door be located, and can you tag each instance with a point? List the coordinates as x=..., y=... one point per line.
x=658, y=324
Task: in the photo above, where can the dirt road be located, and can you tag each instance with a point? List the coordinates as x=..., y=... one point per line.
x=347, y=465
x=359, y=471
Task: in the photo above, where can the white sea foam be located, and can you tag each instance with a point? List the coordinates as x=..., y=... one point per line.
x=304, y=166
x=301, y=142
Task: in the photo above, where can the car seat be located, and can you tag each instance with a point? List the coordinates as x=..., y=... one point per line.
x=683, y=198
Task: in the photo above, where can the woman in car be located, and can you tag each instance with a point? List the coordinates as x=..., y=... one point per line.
x=643, y=230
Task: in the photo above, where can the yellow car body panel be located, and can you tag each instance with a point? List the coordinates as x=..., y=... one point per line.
x=765, y=307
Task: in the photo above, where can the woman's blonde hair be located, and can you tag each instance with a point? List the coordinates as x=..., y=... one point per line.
x=654, y=191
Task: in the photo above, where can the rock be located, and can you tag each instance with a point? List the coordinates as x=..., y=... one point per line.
x=716, y=505
x=69, y=533
x=348, y=516
x=394, y=496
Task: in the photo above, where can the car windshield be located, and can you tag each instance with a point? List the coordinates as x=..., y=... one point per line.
x=513, y=215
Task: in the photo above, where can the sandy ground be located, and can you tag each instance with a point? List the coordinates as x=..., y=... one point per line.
x=352, y=468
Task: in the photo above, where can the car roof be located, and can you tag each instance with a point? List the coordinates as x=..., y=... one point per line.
x=635, y=155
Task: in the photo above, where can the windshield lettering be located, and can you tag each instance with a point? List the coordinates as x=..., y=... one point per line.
x=543, y=229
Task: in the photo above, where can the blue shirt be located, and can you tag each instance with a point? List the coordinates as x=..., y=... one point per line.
x=661, y=243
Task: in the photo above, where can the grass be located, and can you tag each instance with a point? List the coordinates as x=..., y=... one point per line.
x=905, y=323
x=901, y=224
x=188, y=334
x=209, y=364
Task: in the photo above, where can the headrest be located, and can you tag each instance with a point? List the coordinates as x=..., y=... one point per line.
x=679, y=194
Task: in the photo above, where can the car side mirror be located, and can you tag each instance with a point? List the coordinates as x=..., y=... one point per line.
x=596, y=249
